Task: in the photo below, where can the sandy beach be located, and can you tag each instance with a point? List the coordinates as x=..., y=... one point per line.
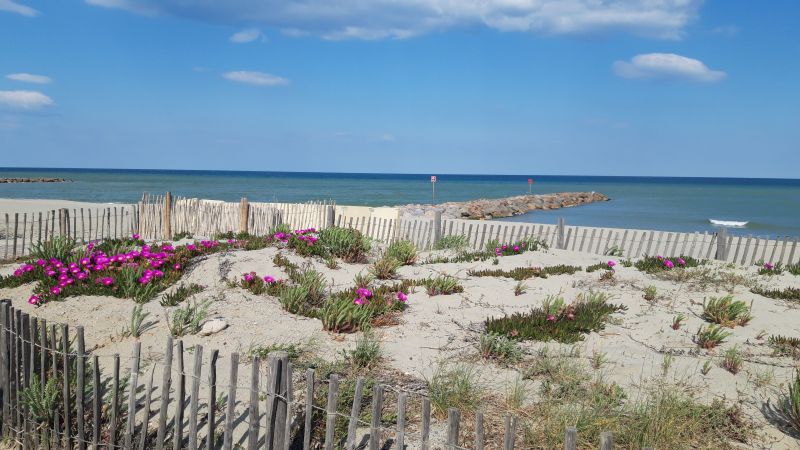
x=21, y=205
x=638, y=347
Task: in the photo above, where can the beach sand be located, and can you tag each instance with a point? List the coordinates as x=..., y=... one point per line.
x=446, y=328
x=25, y=205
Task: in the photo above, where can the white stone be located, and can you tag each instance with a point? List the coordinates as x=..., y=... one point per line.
x=213, y=326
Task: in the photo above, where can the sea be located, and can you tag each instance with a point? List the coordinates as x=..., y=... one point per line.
x=771, y=207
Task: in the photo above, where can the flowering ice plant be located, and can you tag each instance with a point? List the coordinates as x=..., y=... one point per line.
x=90, y=270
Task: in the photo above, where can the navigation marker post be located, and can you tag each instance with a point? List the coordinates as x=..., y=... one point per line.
x=530, y=185
x=433, y=187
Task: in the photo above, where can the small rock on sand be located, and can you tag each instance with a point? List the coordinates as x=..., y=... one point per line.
x=213, y=326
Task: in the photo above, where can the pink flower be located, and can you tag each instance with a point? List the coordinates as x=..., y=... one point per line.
x=364, y=292
x=269, y=280
x=660, y=257
x=551, y=318
x=611, y=264
x=505, y=247
x=768, y=266
x=107, y=281
x=135, y=236
x=41, y=262
x=402, y=297
x=177, y=266
x=669, y=264
x=681, y=262
x=516, y=248
x=359, y=301
x=55, y=290
x=34, y=300
x=248, y=277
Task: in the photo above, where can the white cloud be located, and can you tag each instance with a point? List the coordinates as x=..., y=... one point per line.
x=376, y=19
x=256, y=78
x=387, y=137
x=27, y=100
x=667, y=66
x=245, y=36
x=29, y=78
x=11, y=6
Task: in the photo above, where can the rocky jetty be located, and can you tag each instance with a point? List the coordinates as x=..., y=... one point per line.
x=505, y=207
x=33, y=180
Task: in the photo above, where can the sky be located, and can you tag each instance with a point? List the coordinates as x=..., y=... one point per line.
x=562, y=87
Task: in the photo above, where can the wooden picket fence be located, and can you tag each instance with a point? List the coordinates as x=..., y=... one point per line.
x=628, y=243
x=184, y=411
x=162, y=217
x=24, y=230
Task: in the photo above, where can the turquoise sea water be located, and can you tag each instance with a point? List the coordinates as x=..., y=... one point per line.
x=772, y=206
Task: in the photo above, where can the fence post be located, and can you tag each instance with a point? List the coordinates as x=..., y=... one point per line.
x=5, y=304
x=560, y=234
x=277, y=391
x=437, y=227
x=722, y=244
x=244, y=215
x=166, y=219
x=330, y=216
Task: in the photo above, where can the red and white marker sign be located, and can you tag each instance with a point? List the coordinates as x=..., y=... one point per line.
x=530, y=180
x=433, y=178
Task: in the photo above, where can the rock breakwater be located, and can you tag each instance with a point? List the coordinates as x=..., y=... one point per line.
x=505, y=207
x=33, y=180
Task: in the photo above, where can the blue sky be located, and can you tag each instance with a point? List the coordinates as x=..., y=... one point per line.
x=621, y=87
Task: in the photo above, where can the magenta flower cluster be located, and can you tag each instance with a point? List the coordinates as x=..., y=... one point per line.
x=508, y=249
x=364, y=295
x=669, y=264
x=95, y=265
x=307, y=235
x=251, y=276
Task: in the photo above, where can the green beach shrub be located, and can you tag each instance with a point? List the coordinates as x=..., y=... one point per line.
x=726, y=311
x=524, y=273
x=441, y=285
x=59, y=247
x=345, y=243
x=790, y=403
x=357, y=309
x=554, y=320
x=137, y=325
x=405, y=252
x=367, y=351
x=180, y=293
x=732, y=360
x=788, y=293
x=452, y=242
x=188, y=319
x=385, y=268
x=454, y=386
x=650, y=293
x=499, y=347
x=711, y=336
x=784, y=345
x=654, y=264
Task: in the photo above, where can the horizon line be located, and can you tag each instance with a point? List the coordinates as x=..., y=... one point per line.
x=438, y=174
